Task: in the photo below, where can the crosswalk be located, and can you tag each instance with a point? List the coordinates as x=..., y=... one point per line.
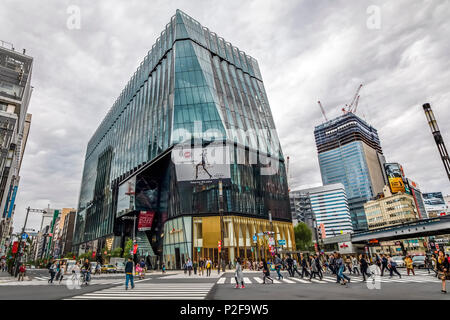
x=420, y=277
x=150, y=291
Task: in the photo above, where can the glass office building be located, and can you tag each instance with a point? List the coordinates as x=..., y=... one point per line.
x=155, y=154
x=350, y=153
x=329, y=206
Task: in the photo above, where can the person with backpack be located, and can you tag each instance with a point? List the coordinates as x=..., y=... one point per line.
x=238, y=275
x=208, y=267
x=340, y=273
x=278, y=265
x=22, y=271
x=304, y=263
x=392, y=265
x=266, y=272
x=129, y=273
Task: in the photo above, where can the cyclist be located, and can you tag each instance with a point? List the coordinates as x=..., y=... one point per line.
x=86, y=271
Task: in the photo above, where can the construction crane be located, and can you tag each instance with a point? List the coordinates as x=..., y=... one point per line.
x=356, y=105
x=348, y=108
x=323, y=110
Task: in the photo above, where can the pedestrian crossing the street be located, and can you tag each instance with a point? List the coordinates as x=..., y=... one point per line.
x=420, y=277
x=150, y=291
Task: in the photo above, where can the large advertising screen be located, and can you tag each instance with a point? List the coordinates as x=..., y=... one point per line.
x=394, y=173
x=201, y=165
x=434, y=201
x=125, y=197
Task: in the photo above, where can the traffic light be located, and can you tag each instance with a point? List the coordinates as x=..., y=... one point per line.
x=219, y=245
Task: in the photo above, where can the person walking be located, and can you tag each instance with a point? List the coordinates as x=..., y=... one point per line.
x=208, y=267
x=201, y=265
x=409, y=265
x=443, y=267
x=434, y=264
x=238, y=275
x=384, y=264
x=22, y=271
x=266, y=272
x=52, y=271
x=332, y=263
x=305, y=266
x=290, y=265
x=392, y=265
x=129, y=273
x=340, y=273
x=189, y=266
x=195, y=265
x=314, y=269
x=278, y=264
x=364, y=266
x=355, y=265
x=295, y=268
x=427, y=263
x=86, y=270
x=348, y=264
x=163, y=267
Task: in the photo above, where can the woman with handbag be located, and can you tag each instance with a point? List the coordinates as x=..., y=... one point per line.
x=443, y=269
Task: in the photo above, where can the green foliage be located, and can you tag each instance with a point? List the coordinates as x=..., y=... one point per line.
x=303, y=236
x=87, y=255
x=69, y=255
x=128, y=247
x=117, y=252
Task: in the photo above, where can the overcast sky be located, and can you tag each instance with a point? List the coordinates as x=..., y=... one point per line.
x=307, y=50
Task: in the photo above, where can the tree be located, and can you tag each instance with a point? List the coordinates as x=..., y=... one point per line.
x=303, y=236
x=128, y=247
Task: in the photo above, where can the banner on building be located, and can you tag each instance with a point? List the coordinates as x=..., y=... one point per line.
x=125, y=197
x=395, y=176
x=15, y=247
x=434, y=202
x=145, y=220
x=201, y=165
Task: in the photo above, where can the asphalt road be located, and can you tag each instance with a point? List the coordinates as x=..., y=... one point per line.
x=158, y=286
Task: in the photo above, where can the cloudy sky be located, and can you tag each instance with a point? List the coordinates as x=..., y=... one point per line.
x=307, y=50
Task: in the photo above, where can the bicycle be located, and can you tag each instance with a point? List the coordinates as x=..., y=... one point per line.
x=85, y=278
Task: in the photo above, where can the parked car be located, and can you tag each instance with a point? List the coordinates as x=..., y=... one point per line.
x=419, y=261
x=399, y=260
x=109, y=268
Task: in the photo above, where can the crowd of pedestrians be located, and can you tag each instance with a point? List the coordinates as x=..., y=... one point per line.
x=311, y=266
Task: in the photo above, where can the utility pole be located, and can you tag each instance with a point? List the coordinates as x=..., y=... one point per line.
x=437, y=137
x=21, y=249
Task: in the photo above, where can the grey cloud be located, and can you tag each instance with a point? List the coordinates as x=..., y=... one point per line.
x=307, y=50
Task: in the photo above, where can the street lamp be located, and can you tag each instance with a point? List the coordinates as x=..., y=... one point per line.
x=222, y=261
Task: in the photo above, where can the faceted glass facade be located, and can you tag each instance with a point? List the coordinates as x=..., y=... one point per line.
x=192, y=87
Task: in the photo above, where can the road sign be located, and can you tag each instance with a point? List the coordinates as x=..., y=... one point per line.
x=255, y=238
x=282, y=242
x=198, y=249
x=24, y=236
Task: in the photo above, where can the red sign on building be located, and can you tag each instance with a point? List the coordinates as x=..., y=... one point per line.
x=145, y=220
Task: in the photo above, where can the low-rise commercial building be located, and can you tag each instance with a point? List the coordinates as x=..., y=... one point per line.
x=390, y=210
